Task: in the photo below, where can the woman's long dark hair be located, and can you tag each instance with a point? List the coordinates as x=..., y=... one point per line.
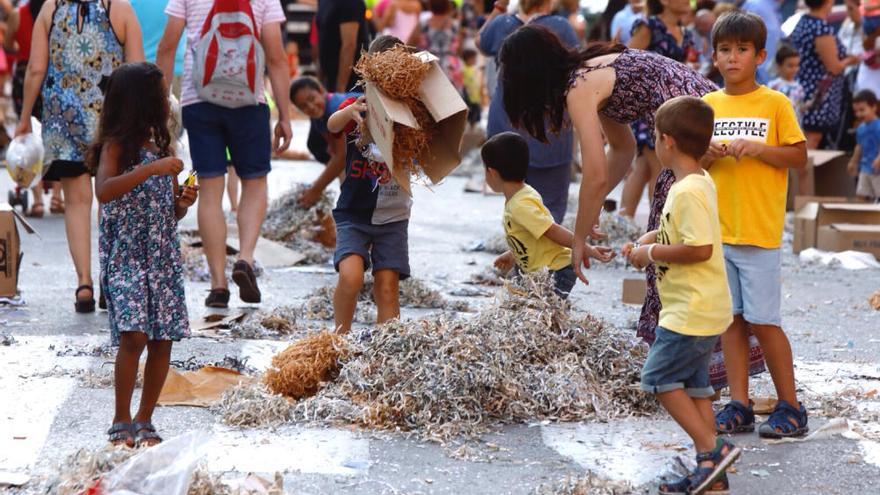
x=535, y=72
x=135, y=110
x=34, y=6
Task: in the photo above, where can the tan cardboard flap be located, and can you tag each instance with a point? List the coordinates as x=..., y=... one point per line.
x=853, y=207
x=856, y=227
x=24, y=223
x=447, y=152
x=634, y=291
x=800, y=201
x=439, y=95
x=821, y=157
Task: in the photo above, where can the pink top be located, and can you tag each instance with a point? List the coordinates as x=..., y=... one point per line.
x=194, y=12
x=402, y=25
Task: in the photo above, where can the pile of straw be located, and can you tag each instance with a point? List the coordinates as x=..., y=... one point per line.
x=299, y=370
x=310, y=231
x=252, y=405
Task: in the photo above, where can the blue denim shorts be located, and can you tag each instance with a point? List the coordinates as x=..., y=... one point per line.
x=678, y=361
x=755, y=278
x=870, y=23
x=563, y=281
x=244, y=131
x=382, y=247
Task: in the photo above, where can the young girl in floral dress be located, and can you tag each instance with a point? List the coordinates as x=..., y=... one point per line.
x=141, y=270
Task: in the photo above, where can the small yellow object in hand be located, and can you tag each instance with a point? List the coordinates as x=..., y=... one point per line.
x=190, y=179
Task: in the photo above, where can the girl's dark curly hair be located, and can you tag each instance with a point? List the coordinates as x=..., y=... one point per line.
x=135, y=110
x=535, y=72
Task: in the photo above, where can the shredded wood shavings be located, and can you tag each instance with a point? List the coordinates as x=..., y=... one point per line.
x=102, y=350
x=522, y=359
x=299, y=370
x=252, y=405
x=271, y=324
x=195, y=265
x=874, y=300
x=207, y=483
x=6, y=339
x=490, y=276
x=588, y=484
x=308, y=231
x=413, y=294
x=397, y=72
x=238, y=364
x=81, y=469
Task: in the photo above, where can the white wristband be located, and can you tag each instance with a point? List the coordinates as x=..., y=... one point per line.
x=651, y=252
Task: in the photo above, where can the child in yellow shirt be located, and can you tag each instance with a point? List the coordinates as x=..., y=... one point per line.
x=686, y=250
x=534, y=239
x=756, y=139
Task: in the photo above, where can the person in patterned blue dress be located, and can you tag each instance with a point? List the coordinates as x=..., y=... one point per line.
x=76, y=44
x=814, y=37
x=139, y=248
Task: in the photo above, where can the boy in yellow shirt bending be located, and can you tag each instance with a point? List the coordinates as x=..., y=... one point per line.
x=686, y=250
x=535, y=240
x=756, y=139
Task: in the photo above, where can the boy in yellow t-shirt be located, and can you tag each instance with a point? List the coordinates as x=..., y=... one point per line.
x=756, y=140
x=686, y=250
x=534, y=239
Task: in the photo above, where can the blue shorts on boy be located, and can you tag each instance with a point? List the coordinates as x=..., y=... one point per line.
x=751, y=198
x=694, y=296
x=244, y=131
x=372, y=214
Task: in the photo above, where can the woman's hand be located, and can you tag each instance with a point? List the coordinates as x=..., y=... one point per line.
x=166, y=166
x=24, y=127
x=580, y=258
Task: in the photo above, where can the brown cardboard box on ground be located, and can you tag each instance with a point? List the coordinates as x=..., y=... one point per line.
x=812, y=216
x=10, y=249
x=801, y=201
x=849, y=237
x=446, y=107
x=634, y=291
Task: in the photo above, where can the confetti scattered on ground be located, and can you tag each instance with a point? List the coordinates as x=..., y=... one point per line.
x=587, y=484
x=521, y=360
x=308, y=231
x=80, y=470
x=267, y=324
x=252, y=405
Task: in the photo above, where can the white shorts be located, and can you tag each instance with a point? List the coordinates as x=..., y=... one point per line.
x=869, y=185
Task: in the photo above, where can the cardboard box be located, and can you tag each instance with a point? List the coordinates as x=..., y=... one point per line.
x=801, y=201
x=826, y=176
x=10, y=249
x=446, y=107
x=812, y=216
x=849, y=237
x=634, y=291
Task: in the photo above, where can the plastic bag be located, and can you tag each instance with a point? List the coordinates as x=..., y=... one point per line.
x=166, y=468
x=24, y=157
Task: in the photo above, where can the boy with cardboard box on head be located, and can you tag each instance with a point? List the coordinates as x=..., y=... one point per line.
x=535, y=240
x=756, y=140
x=372, y=218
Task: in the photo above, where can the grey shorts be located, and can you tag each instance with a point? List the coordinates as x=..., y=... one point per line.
x=382, y=247
x=678, y=361
x=868, y=186
x=755, y=278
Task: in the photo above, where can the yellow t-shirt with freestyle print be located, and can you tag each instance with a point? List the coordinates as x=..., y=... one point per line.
x=695, y=296
x=752, y=193
x=526, y=220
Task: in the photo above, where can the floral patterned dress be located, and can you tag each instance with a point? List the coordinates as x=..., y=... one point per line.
x=83, y=51
x=824, y=90
x=644, y=81
x=141, y=269
x=662, y=43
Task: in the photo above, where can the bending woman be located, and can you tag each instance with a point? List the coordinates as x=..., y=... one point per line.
x=604, y=89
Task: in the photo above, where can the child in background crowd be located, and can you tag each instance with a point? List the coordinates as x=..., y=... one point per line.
x=756, y=140
x=696, y=301
x=372, y=219
x=473, y=86
x=534, y=239
x=865, y=162
x=141, y=267
x=309, y=96
x=788, y=62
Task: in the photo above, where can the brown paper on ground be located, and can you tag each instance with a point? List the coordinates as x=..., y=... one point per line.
x=200, y=388
x=215, y=320
x=271, y=254
x=764, y=405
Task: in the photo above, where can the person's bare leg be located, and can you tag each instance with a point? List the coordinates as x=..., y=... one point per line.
x=633, y=187
x=251, y=213
x=78, y=224
x=155, y=372
x=735, y=346
x=212, y=228
x=686, y=412
x=131, y=346
x=386, y=293
x=232, y=184
x=777, y=353
x=37, y=192
x=348, y=287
